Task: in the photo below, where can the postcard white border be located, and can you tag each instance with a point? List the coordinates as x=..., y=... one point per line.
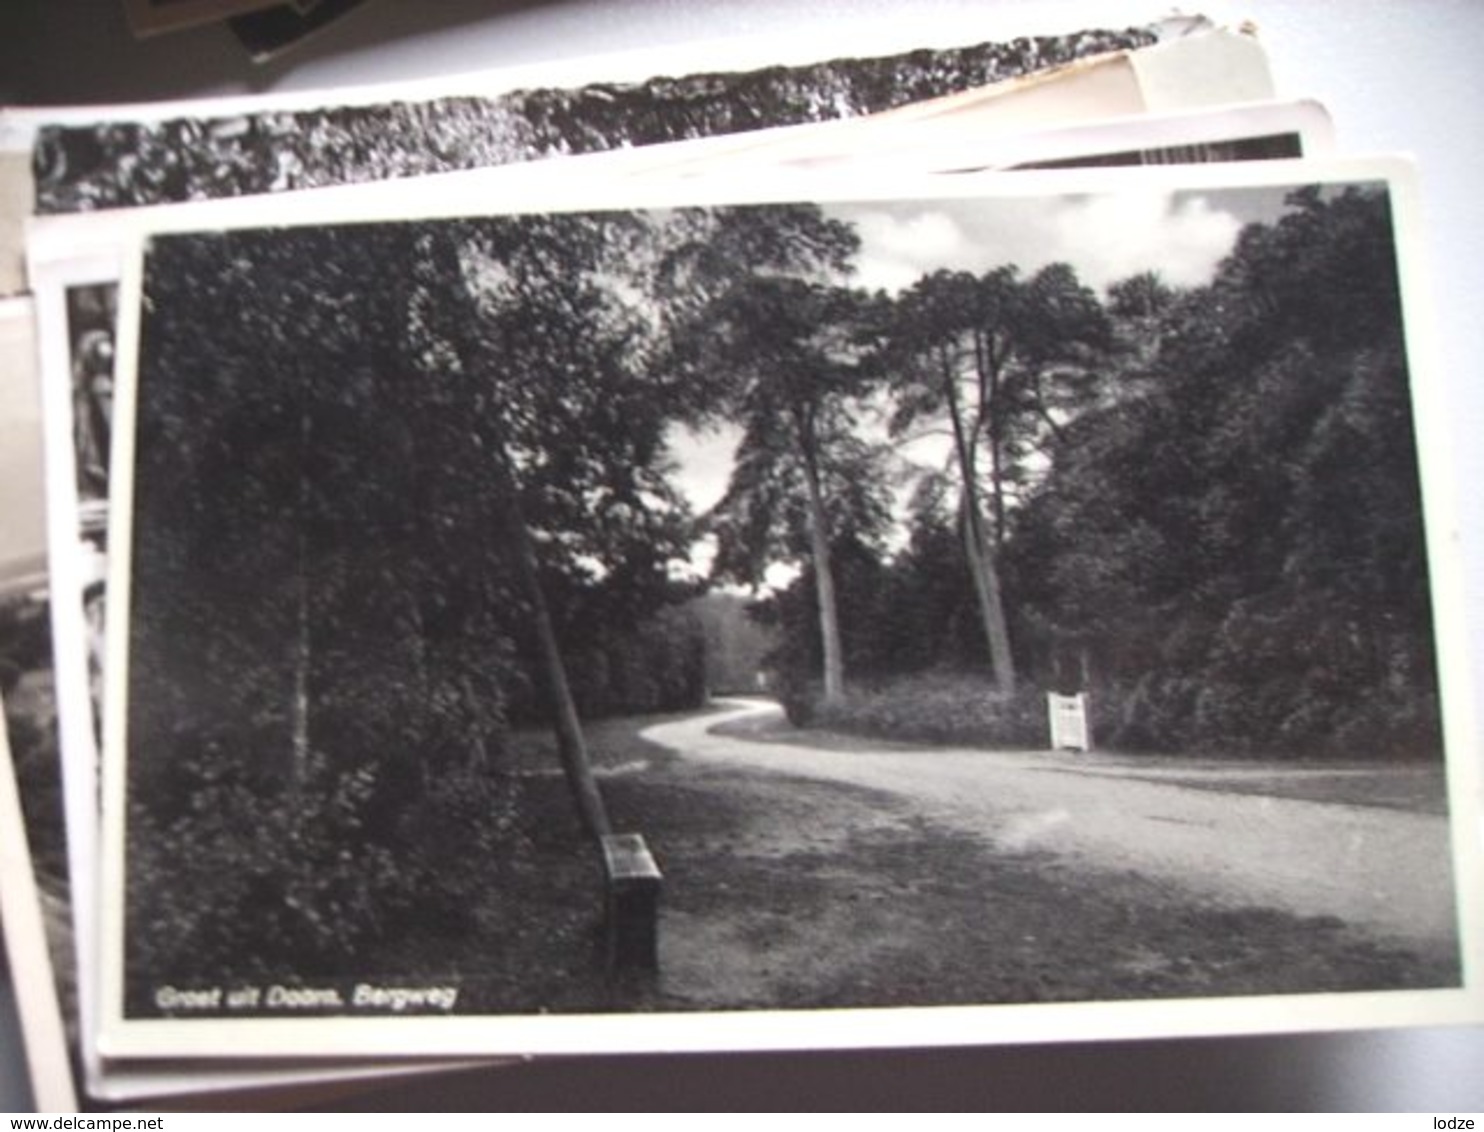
x=78, y=749
x=829, y=1028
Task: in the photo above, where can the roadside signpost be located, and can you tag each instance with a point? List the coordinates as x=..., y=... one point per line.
x=1068, y=716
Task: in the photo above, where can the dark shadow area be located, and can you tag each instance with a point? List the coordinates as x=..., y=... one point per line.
x=108, y=64
x=1266, y=1073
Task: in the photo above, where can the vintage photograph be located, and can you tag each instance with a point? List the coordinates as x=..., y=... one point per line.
x=657, y=611
x=74, y=273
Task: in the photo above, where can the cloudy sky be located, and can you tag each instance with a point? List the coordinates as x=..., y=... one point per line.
x=1105, y=237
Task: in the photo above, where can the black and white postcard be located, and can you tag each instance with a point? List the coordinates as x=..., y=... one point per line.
x=86, y=318
x=982, y=609
x=75, y=262
x=153, y=17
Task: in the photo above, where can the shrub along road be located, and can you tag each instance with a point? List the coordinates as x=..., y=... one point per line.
x=1227, y=837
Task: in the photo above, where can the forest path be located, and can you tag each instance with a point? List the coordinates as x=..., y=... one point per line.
x=1202, y=831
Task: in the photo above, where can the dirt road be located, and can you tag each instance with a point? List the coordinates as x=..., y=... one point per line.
x=1385, y=871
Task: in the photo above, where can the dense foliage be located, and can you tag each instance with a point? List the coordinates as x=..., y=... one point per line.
x=390, y=475
x=1205, y=504
x=737, y=647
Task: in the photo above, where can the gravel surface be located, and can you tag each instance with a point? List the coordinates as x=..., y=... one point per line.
x=1212, y=833
x=806, y=871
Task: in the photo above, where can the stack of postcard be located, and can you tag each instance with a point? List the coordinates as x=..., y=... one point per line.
x=768, y=546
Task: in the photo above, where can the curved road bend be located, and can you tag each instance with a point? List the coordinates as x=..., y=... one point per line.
x=1385, y=870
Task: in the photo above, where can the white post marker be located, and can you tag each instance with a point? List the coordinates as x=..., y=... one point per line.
x=1068, y=715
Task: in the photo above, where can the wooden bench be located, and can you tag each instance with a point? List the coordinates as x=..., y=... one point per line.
x=632, y=904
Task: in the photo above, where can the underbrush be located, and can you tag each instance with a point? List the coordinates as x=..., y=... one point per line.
x=1283, y=715
x=939, y=707
x=228, y=880
x=1163, y=713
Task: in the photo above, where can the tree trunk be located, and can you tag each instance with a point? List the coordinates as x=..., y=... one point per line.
x=986, y=581
x=824, y=576
x=571, y=746
x=978, y=551
x=997, y=486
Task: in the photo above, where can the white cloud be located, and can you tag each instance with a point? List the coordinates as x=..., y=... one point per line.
x=705, y=462
x=1105, y=237
x=1111, y=237
x=897, y=250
